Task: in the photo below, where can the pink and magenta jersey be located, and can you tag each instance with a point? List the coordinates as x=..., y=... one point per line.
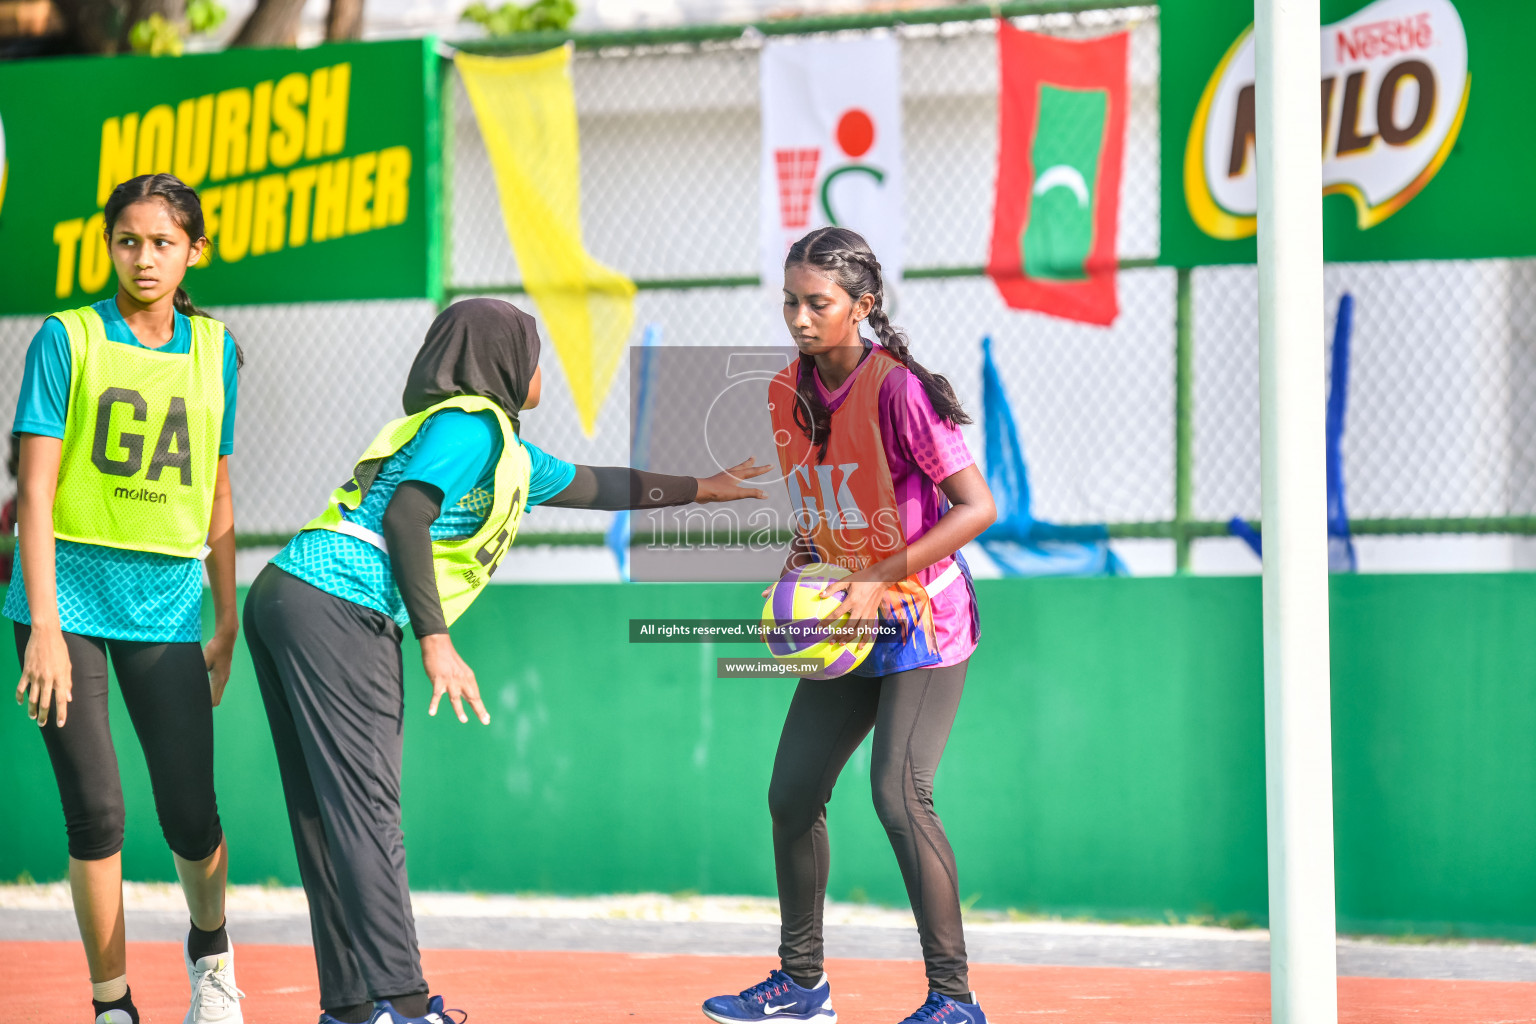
x=921, y=450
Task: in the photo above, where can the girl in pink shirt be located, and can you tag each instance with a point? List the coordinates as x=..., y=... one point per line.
x=869, y=445
x=921, y=447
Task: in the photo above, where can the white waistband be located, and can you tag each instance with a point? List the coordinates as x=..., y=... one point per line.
x=944, y=579
x=351, y=529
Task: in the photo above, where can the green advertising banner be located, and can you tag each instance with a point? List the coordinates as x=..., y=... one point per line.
x=312, y=166
x=1424, y=116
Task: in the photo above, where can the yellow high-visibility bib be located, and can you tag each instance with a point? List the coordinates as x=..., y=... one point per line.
x=141, y=439
x=464, y=565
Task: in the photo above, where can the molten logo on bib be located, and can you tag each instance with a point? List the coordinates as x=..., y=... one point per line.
x=1394, y=94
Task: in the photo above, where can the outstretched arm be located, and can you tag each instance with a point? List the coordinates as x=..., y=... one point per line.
x=616, y=487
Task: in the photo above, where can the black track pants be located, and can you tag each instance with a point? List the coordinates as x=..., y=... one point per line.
x=911, y=714
x=331, y=676
x=165, y=687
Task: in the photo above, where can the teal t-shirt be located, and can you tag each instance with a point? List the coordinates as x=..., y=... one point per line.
x=454, y=451
x=44, y=398
x=104, y=591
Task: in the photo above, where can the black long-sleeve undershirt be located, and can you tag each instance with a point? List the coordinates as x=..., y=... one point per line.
x=415, y=506
x=612, y=488
x=408, y=519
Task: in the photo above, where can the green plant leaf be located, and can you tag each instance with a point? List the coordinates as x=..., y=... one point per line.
x=511, y=18
x=205, y=15
x=156, y=36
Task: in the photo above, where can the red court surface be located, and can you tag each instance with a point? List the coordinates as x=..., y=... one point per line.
x=44, y=983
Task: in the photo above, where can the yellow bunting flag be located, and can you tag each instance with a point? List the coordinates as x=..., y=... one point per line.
x=527, y=115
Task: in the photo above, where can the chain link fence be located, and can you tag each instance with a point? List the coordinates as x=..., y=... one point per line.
x=670, y=138
x=1442, y=372
x=1442, y=394
x=1443, y=376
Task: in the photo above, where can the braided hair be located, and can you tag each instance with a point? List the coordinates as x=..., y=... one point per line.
x=185, y=209
x=850, y=262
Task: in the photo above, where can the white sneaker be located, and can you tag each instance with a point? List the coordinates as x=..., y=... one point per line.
x=114, y=1017
x=215, y=999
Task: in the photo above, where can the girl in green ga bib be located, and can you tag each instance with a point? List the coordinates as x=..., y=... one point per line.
x=408, y=542
x=126, y=422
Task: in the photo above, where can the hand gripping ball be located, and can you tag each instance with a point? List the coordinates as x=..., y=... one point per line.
x=793, y=628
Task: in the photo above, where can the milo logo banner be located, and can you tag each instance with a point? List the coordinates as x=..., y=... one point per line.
x=1419, y=105
x=311, y=165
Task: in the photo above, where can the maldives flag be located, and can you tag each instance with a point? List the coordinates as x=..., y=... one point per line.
x=1061, y=144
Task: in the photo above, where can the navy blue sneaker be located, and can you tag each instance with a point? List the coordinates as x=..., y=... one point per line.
x=940, y=1009
x=384, y=1013
x=778, y=998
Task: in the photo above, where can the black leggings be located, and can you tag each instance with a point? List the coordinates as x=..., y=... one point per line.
x=166, y=689
x=333, y=682
x=911, y=714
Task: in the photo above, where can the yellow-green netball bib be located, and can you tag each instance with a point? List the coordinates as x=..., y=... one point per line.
x=141, y=439
x=462, y=565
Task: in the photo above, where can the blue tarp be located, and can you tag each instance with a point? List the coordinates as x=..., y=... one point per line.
x=1020, y=544
x=639, y=445
x=1341, y=546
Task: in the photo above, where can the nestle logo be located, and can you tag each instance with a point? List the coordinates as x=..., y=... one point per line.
x=1386, y=38
x=140, y=494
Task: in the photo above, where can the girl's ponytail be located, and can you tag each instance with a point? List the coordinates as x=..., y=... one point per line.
x=183, y=304
x=186, y=307
x=811, y=414
x=940, y=393
x=848, y=258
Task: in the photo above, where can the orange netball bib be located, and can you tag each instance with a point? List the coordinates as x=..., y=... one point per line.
x=845, y=504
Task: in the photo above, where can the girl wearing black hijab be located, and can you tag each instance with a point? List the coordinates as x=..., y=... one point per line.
x=410, y=540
